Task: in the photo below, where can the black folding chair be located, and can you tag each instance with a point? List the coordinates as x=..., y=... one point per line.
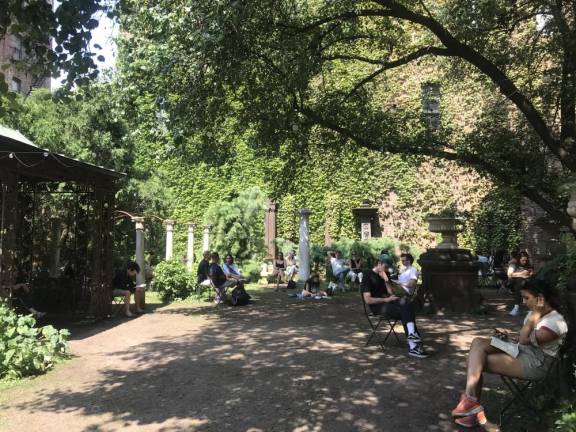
x=117, y=304
x=524, y=392
x=375, y=321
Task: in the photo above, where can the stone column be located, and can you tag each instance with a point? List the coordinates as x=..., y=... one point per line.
x=206, y=238
x=56, y=228
x=304, y=246
x=270, y=228
x=169, y=224
x=190, y=250
x=139, y=221
x=572, y=208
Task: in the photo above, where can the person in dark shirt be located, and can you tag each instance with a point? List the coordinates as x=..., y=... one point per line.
x=204, y=269
x=377, y=294
x=219, y=279
x=123, y=285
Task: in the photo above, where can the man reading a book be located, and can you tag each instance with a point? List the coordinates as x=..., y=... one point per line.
x=539, y=342
x=377, y=292
x=123, y=285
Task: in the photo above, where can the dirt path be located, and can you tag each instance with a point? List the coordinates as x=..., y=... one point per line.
x=281, y=364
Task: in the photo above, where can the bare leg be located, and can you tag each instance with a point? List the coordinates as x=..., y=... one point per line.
x=485, y=358
x=127, y=304
x=139, y=299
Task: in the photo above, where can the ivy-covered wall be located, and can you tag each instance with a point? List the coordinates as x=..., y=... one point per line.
x=331, y=182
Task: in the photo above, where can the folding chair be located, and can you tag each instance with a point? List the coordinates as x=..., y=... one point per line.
x=375, y=321
x=117, y=304
x=523, y=392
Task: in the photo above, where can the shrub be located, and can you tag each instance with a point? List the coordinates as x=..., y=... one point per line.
x=26, y=350
x=173, y=281
x=251, y=270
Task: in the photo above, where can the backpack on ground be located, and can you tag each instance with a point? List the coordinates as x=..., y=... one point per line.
x=239, y=297
x=291, y=285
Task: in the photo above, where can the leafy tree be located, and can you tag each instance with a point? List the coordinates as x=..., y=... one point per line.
x=68, y=26
x=356, y=69
x=237, y=224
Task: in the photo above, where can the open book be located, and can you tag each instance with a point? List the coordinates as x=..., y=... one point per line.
x=399, y=290
x=509, y=348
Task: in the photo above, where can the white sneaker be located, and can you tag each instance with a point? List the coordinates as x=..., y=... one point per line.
x=515, y=311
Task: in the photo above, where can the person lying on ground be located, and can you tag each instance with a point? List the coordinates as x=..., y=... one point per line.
x=539, y=342
x=124, y=285
x=376, y=290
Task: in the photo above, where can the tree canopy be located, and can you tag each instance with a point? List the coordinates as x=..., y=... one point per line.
x=355, y=71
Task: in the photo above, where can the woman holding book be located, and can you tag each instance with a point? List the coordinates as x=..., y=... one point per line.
x=539, y=341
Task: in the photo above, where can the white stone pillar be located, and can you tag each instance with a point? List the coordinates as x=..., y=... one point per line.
x=304, y=246
x=139, y=221
x=169, y=224
x=190, y=250
x=206, y=238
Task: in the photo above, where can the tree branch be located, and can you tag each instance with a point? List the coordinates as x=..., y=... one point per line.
x=506, y=86
x=480, y=164
x=348, y=15
x=399, y=62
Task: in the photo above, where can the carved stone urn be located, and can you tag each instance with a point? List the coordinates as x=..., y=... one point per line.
x=448, y=227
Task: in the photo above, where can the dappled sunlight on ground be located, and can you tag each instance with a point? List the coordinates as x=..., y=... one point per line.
x=280, y=364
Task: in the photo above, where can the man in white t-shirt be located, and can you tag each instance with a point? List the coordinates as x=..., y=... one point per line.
x=339, y=269
x=408, y=277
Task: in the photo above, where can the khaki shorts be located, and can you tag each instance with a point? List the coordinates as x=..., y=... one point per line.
x=535, y=363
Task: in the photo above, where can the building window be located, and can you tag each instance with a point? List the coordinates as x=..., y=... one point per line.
x=431, y=106
x=17, y=47
x=16, y=85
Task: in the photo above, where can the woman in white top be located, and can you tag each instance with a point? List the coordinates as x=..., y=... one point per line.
x=539, y=341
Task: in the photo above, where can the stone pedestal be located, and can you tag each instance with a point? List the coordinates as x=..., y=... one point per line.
x=190, y=249
x=139, y=222
x=206, y=238
x=304, y=246
x=169, y=224
x=451, y=275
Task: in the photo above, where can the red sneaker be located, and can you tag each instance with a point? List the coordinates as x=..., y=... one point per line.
x=467, y=407
x=473, y=420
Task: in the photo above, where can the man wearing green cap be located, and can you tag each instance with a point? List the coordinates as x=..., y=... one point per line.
x=378, y=295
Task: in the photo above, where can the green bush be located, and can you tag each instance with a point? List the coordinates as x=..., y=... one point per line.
x=26, y=350
x=173, y=281
x=251, y=270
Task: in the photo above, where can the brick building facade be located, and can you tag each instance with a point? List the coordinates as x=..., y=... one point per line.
x=17, y=76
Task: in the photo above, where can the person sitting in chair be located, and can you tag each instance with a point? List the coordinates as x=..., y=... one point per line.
x=204, y=269
x=408, y=277
x=232, y=271
x=539, y=342
x=123, y=285
x=291, y=266
x=377, y=293
x=20, y=297
x=219, y=278
x=339, y=268
x=519, y=271
x=356, y=264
